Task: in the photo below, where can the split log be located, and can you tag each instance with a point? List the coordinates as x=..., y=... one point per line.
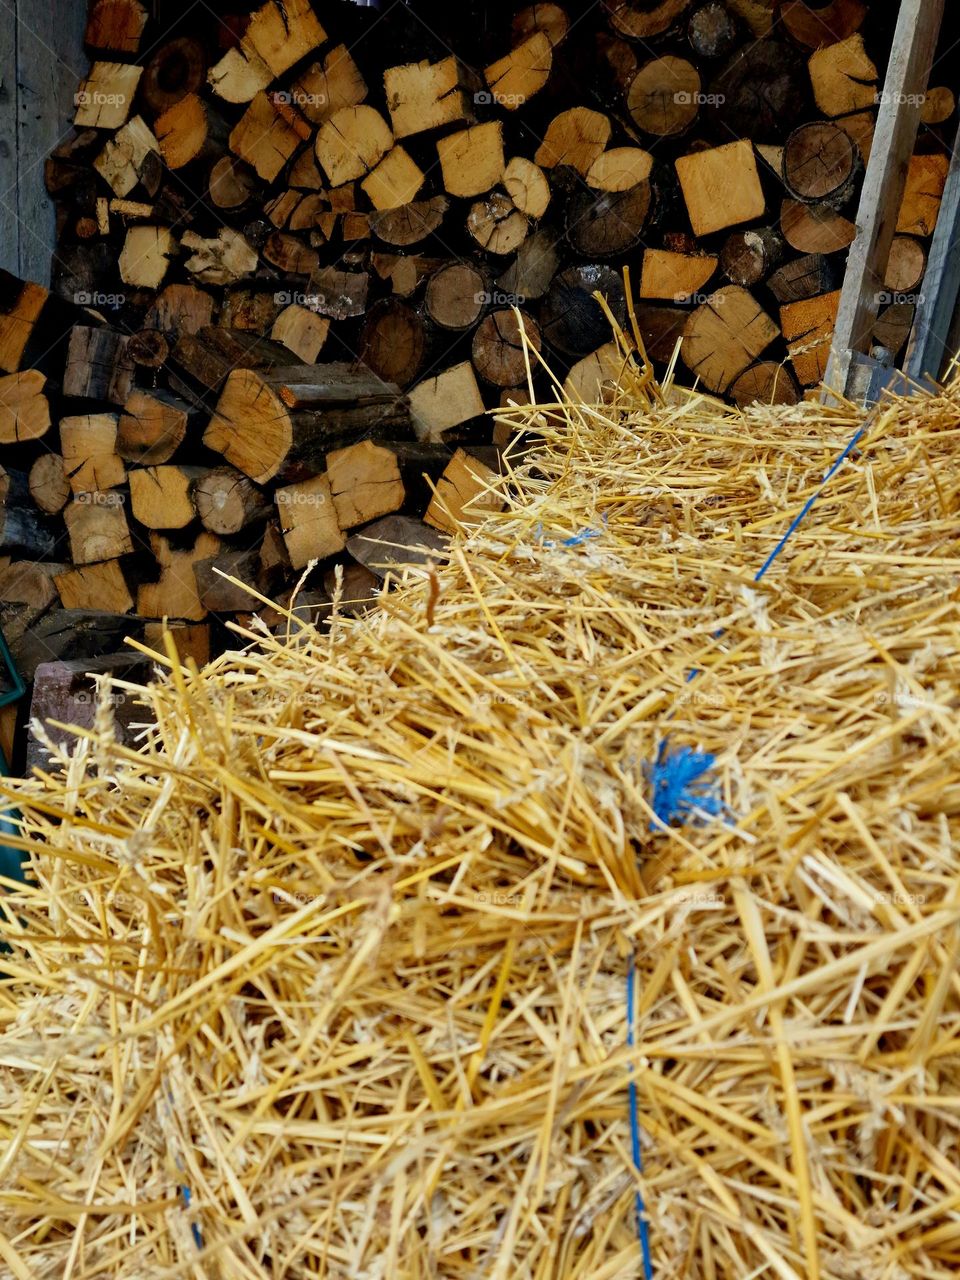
x=209, y=356
x=152, y=426
x=527, y=186
x=33, y=326
x=162, y=497
x=808, y=329
x=817, y=26
x=351, y=143
x=267, y=424
x=22, y=527
x=764, y=383
x=575, y=138
x=640, y=20
x=721, y=187
x=190, y=132
x=48, y=483
x=523, y=72
x=844, y=77
x=116, y=26
x=664, y=97
x=365, y=483
x=821, y=163
x=661, y=328
x=675, y=276
x=175, y=594
x=546, y=17
x=309, y=521
x=131, y=158
x=571, y=320
x=424, y=95
x=620, y=169
x=455, y=296
x=926, y=179
x=28, y=582
x=146, y=256
x=410, y=223
x=748, y=257
x=289, y=255
x=232, y=183
x=98, y=366
x=73, y=633
x=24, y=409
x=466, y=492
x=803, y=278
x=221, y=260
x=338, y=294
x=394, y=543
x=218, y=594
x=761, y=92
x=95, y=586
x=531, y=272
x=279, y=34
x=326, y=87
x=301, y=331
x=725, y=335
x=906, y=265
x=893, y=326
x=445, y=400
x=264, y=138
x=90, y=458
x=227, y=501
x=174, y=71
x=815, y=228
x=496, y=224
x=190, y=640
x=395, y=181
x=472, y=160
x=594, y=375
x=181, y=309
x=97, y=527
x=498, y=349
x=393, y=342
x=104, y=99
x=609, y=222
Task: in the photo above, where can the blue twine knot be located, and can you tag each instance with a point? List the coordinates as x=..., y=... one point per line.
x=680, y=790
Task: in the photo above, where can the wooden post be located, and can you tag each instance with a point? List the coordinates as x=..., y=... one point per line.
x=940, y=291
x=918, y=28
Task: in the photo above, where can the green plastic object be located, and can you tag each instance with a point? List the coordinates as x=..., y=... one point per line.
x=11, y=860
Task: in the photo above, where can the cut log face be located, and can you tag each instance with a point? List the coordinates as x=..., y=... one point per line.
x=620, y=169
x=218, y=593
x=393, y=342
x=821, y=25
x=95, y=586
x=939, y=104
x=456, y=295
x=17, y=324
x=126, y=157
x=926, y=179
x=590, y=376
x=309, y=521
x=821, y=163
x=575, y=138
x=24, y=409
x=301, y=331
x=264, y=138
x=394, y=182
x=748, y=257
x=815, y=228
x=446, y=400
x=496, y=224
x=571, y=319
x=608, y=223
x=664, y=97
x=808, y=329
x=425, y=95
x=725, y=335
x=223, y=260
x=151, y=427
x=516, y=77
x=327, y=86
x=395, y=543
x=49, y=486
x=410, y=223
x=115, y=25
x=176, y=69
x=471, y=160
x=712, y=31
x=844, y=77
x=466, y=492
x=351, y=143
x=365, y=483
x=499, y=353
x=721, y=187
x=765, y=383
x=232, y=183
x=675, y=276
x=802, y=278
x=181, y=308
x=98, y=366
x=906, y=265
x=527, y=186
x=162, y=497
x=97, y=527
x=640, y=21
x=90, y=458
x=104, y=99
x=227, y=501
x=146, y=256
x=175, y=593
x=548, y=18
x=531, y=272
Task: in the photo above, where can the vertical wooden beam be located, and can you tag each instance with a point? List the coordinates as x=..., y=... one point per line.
x=908, y=72
x=41, y=63
x=929, y=345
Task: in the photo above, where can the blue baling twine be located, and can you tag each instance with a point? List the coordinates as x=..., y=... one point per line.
x=679, y=791
x=643, y=1227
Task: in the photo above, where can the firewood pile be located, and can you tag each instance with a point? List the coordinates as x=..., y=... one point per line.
x=296, y=247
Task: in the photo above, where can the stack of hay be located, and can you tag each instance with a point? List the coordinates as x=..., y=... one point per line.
x=329, y=979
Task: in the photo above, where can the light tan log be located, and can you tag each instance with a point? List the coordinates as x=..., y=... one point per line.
x=327, y=86
x=151, y=426
x=725, y=336
x=301, y=331
x=49, y=486
x=175, y=594
x=815, y=228
x=843, y=76
x=105, y=98
x=926, y=179
x=675, y=276
x=446, y=400
x=97, y=527
x=264, y=138
x=513, y=79
x=124, y=158
x=162, y=497
x=364, y=483
x=227, y=501
x=906, y=265
x=394, y=182
x=115, y=26
x=223, y=260
x=99, y=586
x=575, y=137
x=472, y=160
x=497, y=224
x=808, y=328
x=190, y=130
x=90, y=459
x=620, y=169
x=351, y=143
x=721, y=187
x=465, y=493
x=426, y=95
x=190, y=641
x=527, y=186
x=146, y=256
x=546, y=17
x=765, y=383
x=309, y=521
x=24, y=409
x=664, y=96
x=279, y=34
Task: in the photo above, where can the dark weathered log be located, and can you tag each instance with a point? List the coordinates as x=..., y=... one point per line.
x=22, y=525
x=571, y=319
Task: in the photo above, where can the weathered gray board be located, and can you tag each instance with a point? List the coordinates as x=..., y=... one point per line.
x=41, y=64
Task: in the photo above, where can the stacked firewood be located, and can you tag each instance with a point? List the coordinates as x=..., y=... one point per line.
x=294, y=244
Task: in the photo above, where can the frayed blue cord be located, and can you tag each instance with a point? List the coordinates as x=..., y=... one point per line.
x=679, y=787
x=643, y=1227
x=197, y=1236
